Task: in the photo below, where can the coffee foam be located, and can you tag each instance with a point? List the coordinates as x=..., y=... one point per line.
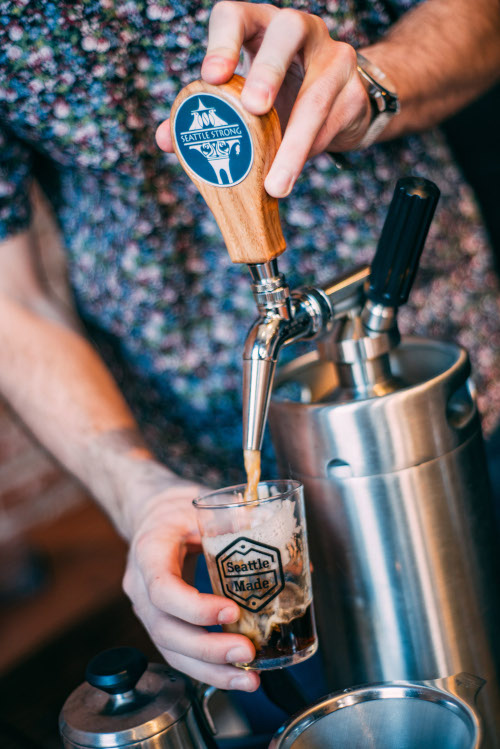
x=263, y=523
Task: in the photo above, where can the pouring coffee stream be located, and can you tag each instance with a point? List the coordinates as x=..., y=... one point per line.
x=227, y=152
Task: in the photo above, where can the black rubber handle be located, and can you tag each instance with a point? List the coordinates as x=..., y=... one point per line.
x=403, y=237
x=117, y=670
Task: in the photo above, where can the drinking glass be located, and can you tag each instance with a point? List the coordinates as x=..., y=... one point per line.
x=257, y=555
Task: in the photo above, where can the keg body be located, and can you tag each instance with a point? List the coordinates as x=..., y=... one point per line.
x=400, y=518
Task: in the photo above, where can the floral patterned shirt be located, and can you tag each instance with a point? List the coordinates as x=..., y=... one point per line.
x=83, y=86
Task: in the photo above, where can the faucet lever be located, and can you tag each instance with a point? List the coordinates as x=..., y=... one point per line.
x=402, y=240
x=227, y=152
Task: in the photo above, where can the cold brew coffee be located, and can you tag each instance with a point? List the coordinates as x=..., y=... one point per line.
x=257, y=555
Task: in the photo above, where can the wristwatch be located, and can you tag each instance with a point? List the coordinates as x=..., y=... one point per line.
x=383, y=99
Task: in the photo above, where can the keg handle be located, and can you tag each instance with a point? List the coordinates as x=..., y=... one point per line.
x=464, y=685
x=362, y=339
x=203, y=693
x=399, y=249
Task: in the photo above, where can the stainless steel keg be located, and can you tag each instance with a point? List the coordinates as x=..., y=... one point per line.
x=386, y=438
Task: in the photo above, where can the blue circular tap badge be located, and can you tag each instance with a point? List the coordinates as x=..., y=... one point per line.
x=213, y=140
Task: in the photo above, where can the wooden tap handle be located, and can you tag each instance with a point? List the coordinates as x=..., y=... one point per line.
x=227, y=152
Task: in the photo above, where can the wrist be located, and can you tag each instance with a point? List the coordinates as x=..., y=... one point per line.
x=140, y=482
x=124, y=475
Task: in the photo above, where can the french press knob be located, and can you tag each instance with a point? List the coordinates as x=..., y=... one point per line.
x=125, y=702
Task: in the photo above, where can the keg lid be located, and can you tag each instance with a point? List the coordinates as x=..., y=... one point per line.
x=124, y=701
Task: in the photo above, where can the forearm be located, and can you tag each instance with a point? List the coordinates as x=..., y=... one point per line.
x=440, y=56
x=56, y=382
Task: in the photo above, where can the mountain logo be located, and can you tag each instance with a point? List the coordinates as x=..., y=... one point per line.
x=213, y=140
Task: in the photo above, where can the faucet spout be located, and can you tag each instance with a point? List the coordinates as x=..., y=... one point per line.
x=264, y=341
x=283, y=319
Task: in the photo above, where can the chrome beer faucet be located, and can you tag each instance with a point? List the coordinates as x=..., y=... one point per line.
x=353, y=318
x=271, y=330
x=227, y=152
x=285, y=317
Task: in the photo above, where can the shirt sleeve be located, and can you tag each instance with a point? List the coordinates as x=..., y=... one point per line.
x=15, y=177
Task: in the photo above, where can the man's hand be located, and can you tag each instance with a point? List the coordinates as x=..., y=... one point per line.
x=63, y=392
x=296, y=66
x=173, y=612
x=313, y=80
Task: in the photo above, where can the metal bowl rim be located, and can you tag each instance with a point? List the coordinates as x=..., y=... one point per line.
x=367, y=693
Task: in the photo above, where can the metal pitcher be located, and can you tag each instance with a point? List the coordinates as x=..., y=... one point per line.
x=127, y=703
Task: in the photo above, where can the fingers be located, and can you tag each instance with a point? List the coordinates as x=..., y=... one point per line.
x=314, y=112
x=186, y=639
x=286, y=34
x=163, y=137
x=290, y=47
x=223, y=677
x=159, y=559
x=231, y=24
x=173, y=634
x=171, y=594
x=197, y=643
x=311, y=79
x=226, y=32
x=191, y=649
x=308, y=115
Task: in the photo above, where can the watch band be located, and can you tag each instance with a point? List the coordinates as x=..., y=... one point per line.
x=383, y=98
